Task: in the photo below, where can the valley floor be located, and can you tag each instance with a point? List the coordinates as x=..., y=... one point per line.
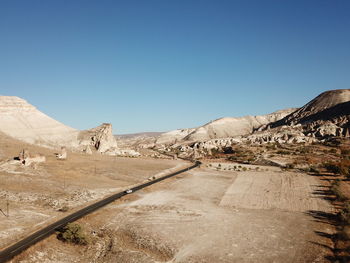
x=206, y=215
x=43, y=194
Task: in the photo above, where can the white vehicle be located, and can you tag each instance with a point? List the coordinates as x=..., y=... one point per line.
x=129, y=191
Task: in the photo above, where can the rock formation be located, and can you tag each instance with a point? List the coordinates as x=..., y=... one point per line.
x=23, y=121
x=326, y=115
x=174, y=136
x=63, y=154
x=87, y=150
x=222, y=128
x=101, y=138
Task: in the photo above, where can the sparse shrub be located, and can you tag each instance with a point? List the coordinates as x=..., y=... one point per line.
x=228, y=150
x=335, y=188
x=257, y=168
x=63, y=209
x=334, y=142
x=72, y=233
x=289, y=166
x=215, y=152
x=333, y=151
x=313, y=169
x=344, y=151
x=232, y=158
x=344, y=233
x=244, y=169
x=332, y=168
x=344, y=166
x=251, y=159
x=344, y=214
x=283, y=152
x=304, y=150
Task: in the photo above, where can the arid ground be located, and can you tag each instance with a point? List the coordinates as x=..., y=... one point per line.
x=42, y=194
x=207, y=215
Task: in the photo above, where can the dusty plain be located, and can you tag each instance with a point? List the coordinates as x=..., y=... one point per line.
x=207, y=215
x=40, y=194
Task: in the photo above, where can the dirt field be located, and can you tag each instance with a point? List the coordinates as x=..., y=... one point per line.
x=271, y=190
x=37, y=194
x=206, y=216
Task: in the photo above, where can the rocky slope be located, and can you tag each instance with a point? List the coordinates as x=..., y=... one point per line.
x=174, y=136
x=326, y=115
x=222, y=128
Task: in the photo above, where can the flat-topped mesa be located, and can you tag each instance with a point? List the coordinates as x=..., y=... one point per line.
x=21, y=120
x=101, y=138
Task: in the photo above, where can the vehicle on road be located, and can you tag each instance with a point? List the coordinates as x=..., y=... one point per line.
x=129, y=191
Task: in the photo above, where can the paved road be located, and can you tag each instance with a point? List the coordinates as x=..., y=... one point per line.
x=18, y=247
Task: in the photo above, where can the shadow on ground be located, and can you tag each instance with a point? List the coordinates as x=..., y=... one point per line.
x=324, y=192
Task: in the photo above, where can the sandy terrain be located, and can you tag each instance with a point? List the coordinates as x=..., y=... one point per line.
x=205, y=216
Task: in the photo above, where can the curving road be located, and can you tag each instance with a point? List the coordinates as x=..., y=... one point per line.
x=18, y=247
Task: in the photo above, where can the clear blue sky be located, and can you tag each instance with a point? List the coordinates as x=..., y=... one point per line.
x=158, y=65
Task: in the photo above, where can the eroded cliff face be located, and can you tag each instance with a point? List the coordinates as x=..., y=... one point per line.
x=23, y=121
x=100, y=138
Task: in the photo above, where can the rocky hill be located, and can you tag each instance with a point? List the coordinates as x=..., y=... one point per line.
x=23, y=121
x=326, y=115
x=222, y=128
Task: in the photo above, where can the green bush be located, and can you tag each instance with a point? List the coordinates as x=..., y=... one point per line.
x=72, y=233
